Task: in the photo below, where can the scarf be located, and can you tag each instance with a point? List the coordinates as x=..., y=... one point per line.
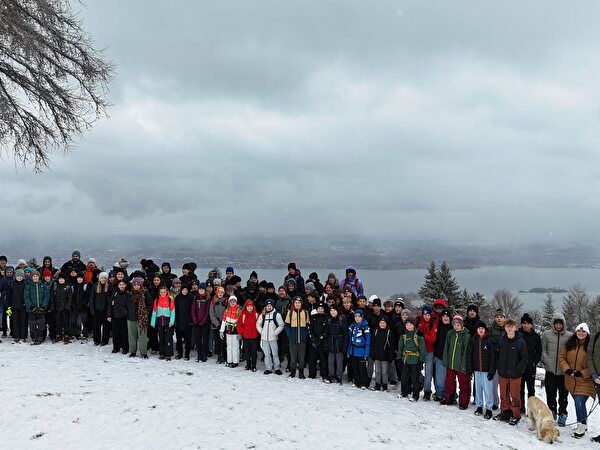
x=138, y=297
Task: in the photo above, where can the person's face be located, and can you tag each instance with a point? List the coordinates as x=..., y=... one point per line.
x=330, y=280
x=558, y=326
x=397, y=309
x=47, y=278
x=270, y=290
x=426, y=316
x=333, y=312
x=500, y=320
x=269, y=307
x=209, y=290
x=472, y=313
x=122, y=285
x=510, y=329
x=457, y=326
x=194, y=288
x=162, y=292
x=120, y=276
x=383, y=324
x=328, y=289
x=9, y=273
x=249, y=308
x=291, y=271
x=357, y=318
x=320, y=310
x=291, y=287
x=311, y=299
x=282, y=293
x=388, y=308
x=103, y=280
x=185, y=271
x=350, y=274
x=527, y=327
x=446, y=319
x=220, y=292
x=137, y=287
x=201, y=291
x=156, y=281
x=176, y=287
x=376, y=309
x=75, y=258
x=581, y=334
x=297, y=304
x=347, y=303
x=361, y=303
x=185, y=291
x=166, y=269
x=409, y=326
x=73, y=274
x=19, y=277
x=329, y=301
x=480, y=331
x=35, y=278
x=61, y=281
x=228, y=275
x=47, y=262
x=438, y=308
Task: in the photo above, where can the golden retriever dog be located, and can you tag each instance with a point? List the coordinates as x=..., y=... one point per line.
x=541, y=420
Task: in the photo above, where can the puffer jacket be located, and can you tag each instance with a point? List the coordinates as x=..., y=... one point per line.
x=481, y=349
x=217, y=308
x=411, y=348
x=269, y=325
x=552, y=344
x=534, y=350
x=37, y=295
x=509, y=357
x=457, y=350
x=359, y=339
x=593, y=354
x=337, y=335
x=296, y=325
x=577, y=360
x=62, y=297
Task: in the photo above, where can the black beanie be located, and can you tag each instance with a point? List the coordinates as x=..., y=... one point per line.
x=526, y=319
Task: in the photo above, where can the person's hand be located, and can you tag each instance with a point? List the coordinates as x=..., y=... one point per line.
x=597, y=381
x=222, y=335
x=110, y=320
x=577, y=374
x=490, y=376
x=569, y=372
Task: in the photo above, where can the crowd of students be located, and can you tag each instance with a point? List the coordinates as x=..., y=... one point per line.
x=332, y=328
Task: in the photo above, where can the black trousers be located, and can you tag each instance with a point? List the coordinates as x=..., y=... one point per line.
x=202, y=332
x=18, y=324
x=62, y=322
x=37, y=326
x=283, y=347
x=165, y=340
x=410, y=380
x=319, y=354
x=556, y=384
x=220, y=346
x=528, y=379
x=250, y=348
x=119, y=334
x=359, y=369
x=4, y=328
x=184, y=335
x=101, y=328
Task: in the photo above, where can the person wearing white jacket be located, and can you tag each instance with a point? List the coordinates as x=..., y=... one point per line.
x=269, y=325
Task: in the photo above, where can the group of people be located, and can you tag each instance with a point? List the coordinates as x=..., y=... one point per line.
x=331, y=327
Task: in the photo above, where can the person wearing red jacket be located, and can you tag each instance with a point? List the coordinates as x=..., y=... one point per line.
x=246, y=327
x=427, y=327
x=201, y=321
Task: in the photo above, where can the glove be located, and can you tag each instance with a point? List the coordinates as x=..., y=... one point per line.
x=9, y=311
x=35, y=311
x=569, y=372
x=578, y=374
x=490, y=376
x=41, y=310
x=222, y=335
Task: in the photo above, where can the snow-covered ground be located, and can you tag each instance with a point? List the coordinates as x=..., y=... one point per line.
x=80, y=396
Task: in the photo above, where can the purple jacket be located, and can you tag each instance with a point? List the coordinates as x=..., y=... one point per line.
x=200, y=310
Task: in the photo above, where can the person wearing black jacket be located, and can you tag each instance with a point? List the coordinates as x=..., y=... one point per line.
x=117, y=316
x=337, y=342
x=509, y=358
x=481, y=347
x=16, y=302
x=534, y=352
x=183, y=320
x=472, y=319
x=73, y=265
x=317, y=330
x=382, y=352
x=62, y=297
x=439, y=378
x=167, y=275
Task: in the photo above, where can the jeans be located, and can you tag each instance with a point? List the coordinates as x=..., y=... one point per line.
x=271, y=352
x=483, y=388
x=496, y=388
x=580, y=408
x=440, y=378
x=381, y=372
x=428, y=372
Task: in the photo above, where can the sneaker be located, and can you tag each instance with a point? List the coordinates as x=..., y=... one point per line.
x=267, y=372
x=478, y=411
x=504, y=416
x=427, y=396
x=562, y=420
x=579, y=431
x=412, y=399
x=187, y=358
x=292, y=373
x=363, y=388
x=494, y=408
x=278, y=372
x=514, y=421
x=596, y=439
x=487, y=415
x=376, y=387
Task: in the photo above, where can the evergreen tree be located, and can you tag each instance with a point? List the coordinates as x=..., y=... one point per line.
x=430, y=290
x=463, y=301
x=477, y=299
x=593, y=320
x=548, y=311
x=576, y=306
x=448, y=286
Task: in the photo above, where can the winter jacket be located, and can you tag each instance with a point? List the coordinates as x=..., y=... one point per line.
x=16, y=295
x=440, y=339
x=577, y=360
x=37, y=295
x=359, y=339
x=5, y=283
x=593, y=354
x=230, y=319
x=534, y=350
x=353, y=282
x=246, y=324
x=200, y=310
x=471, y=324
x=98, y=300
x=317, y=330
x=337, y=335
x=117, y=308
x=81, y=297
x=62, y=295
x=428, y=329
x=217, y=308
x=69, y=266
x=552, y=344
x=296, y=325
x=481, y=348
x=133, y=306
x=183, y=310
x=509, y=357
x=411, y=348
x=163, y=311
x=270, y=325
x=457, y=351
x=496, y=331
x=382, y=346
x=283, y=305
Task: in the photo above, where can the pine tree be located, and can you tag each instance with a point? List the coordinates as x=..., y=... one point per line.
x=593, y=320
x=576, y=306
x=463, y=301
x=548, y=311
x=477, y=299
x=448, y=285
x=430, y=290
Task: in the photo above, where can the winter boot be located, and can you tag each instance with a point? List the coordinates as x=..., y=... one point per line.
x=301, y=374
x=292, y=373
x=479, y=411
x=580, y=430
x=339, y=380
x=562, y=420
x=376, y=387
x=384, y=387
x=596, y=439
x=427, y=396
x=488, y=414
x=504, y=416
x=179, y=356
x=514, y=421
x=278, y=372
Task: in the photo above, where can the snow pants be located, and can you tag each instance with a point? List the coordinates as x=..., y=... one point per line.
x=233, y=348
x=37, y=326
x=184, y=335
x=119, y=334
x=202, y=333
x=359, y=368
x=335, y=363
x=297, y=353
x=18, y=324
x=381, y=372
x=165, y=340
x=410, y=380
x=464, y=386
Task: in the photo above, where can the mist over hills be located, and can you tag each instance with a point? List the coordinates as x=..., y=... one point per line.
x=314, y=251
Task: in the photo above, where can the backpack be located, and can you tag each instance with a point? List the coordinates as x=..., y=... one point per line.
x=274, y=318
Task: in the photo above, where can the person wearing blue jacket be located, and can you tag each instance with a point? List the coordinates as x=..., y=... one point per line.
x=359, y=347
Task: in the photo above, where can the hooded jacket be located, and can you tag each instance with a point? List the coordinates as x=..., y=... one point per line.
x=296, y=325
x=62, y=296
x=509, y=357
x=359, y=339
x=217, y=309
x=457, y=350
x=552, y=344
x=354, y=282
x=266, y=325
x=481, y=348
x=317, y=329
x=337, y=334
x=382, y=345
x=577, y=360
x=183, y=310
x=534, y=350
x=411, y=348
x=117, y=308
x=16, y=295
x=246, y=325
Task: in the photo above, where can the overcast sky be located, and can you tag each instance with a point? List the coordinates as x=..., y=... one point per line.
x=469, y=120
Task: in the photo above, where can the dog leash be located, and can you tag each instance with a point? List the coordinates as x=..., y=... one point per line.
x=594, y=406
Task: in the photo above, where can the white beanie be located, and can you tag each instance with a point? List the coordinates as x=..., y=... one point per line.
x=372, y=298
x=103, y=275
x=233, y=297
x=583, y=326
x=92, y=260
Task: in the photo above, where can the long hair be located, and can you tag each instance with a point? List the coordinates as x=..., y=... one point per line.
x=572, y=342
x=101, y=287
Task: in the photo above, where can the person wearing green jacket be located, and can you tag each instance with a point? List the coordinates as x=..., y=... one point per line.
x=497, y=330
x=458, y=364
x=36, y=298
x=412, y=353
x=593, y=355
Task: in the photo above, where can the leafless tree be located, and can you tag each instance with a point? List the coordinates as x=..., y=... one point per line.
x=576, y=305
x=511, y=304
x=53, y=83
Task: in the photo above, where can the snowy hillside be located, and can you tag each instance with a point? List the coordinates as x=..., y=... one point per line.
x=81, y=396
